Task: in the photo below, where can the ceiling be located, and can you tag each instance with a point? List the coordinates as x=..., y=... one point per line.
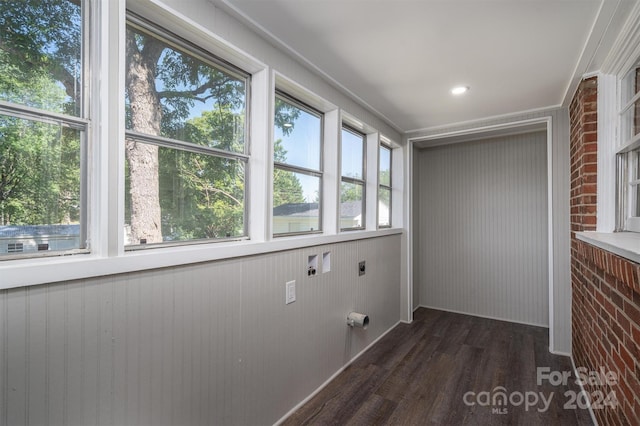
x=402, y=57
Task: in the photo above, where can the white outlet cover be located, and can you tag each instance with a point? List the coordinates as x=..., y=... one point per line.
x=290, y=295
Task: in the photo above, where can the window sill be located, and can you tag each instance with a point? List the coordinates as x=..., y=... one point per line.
x=624, y=244
x=26, y=272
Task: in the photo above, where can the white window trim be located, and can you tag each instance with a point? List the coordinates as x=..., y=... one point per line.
x=301, y=105
x=364, y=182
x=151, y=29
x=384, y=142
x=108, y=256
x=20, y=273
x=622, y=57
x=83, y=124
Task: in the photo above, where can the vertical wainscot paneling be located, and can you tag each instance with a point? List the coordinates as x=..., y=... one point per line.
x=206, y=344
x=483, y=246
x=559, y=314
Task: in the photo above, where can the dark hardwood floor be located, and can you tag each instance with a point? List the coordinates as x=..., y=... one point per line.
x=422, y=374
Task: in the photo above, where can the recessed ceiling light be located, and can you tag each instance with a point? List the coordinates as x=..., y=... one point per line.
x=459, y=90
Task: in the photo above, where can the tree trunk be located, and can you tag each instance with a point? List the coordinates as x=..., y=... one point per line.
x=146, y=117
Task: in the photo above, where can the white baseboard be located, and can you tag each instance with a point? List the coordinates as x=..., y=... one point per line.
x=560, y=353
x=333, y=376
x=575, y=373
x=483, y=316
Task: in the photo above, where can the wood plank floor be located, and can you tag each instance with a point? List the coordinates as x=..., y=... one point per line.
x=419, y=374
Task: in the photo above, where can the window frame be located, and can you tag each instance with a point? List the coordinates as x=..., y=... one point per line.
x=81, y=123
x=188, y=48
x=302, y=170
x=389, y=187
x=105, y=136
x=354, y=181
x=628, y=157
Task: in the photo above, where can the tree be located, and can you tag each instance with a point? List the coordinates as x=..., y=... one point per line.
x=202, y=196
x=286, y=186
x=172, y=194
x=43, y=38
x=162, y=87
x=39, y=162
x=350, y=192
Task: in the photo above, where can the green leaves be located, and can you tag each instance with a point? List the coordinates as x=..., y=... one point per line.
x=43, y=39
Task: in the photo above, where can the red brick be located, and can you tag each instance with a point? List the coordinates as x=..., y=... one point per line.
x=632, y=312
x=590, y=158
x=617, y=300
x=627, y=358
x=591, y=126
x=632, y=347
x=633, y=383
x=590, y=142
x=624, y=323
x=589, y=189
x=618, y=331
x=620, y=365
x=590, y=137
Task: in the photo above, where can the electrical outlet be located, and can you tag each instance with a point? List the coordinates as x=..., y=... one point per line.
x=361, y=268
x=290, y=294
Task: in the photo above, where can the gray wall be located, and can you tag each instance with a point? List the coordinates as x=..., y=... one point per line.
x=211, y=343
x=482, y=234
x=560, y=312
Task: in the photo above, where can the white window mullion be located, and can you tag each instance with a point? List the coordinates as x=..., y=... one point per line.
x=372, y=142
x=331, y=176
x=259, y=176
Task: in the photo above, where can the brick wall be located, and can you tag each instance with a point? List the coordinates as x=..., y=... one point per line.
x=583, y=113
x=605, y=287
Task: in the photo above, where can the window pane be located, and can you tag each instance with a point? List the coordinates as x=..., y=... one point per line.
x=39, y=186
x=385, y=166
x=384, y=207
x=200, y=196
x=41, y=54
x=297, y=136
x=630, y=85
x=296, y=206
x=352, y=155
x=351, y=205
x=173, y=94
x=631, y=122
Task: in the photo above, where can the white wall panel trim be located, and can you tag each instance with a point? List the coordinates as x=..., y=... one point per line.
x=67, y=268
x=512, y=117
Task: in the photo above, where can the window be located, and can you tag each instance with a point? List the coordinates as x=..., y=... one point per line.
x=297, y=172
x=15, y=247
x=384, y=186
x=43, y=127
x=186, y=148
x=628, y=160
x=352, y=188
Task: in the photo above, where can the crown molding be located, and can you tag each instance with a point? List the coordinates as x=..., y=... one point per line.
x=626, y=48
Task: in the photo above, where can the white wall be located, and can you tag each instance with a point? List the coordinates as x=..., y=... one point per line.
x=211, y=343
x=482, y=234
x=560, y=295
